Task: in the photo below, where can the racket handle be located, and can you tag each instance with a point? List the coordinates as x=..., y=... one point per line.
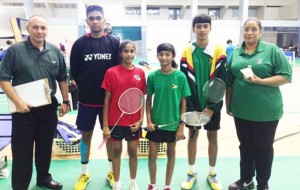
x=116, y=123
x=155, y=126
x=193, y=133
x=101, y=144
x=159, y=126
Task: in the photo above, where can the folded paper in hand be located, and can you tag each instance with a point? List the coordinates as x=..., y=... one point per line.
x=36, y=93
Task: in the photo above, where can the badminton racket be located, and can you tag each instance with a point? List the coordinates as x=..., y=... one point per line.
x=195, y=120
x=159, y=126
x=130, y=102
x=214, y=90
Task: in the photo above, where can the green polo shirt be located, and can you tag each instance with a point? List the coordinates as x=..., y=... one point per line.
x=25, y=63
x=168, y=89
x=256, y=102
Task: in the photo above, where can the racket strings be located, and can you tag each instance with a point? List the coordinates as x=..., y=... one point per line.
x=131, y=101
x=214, y=90
x=195, y=118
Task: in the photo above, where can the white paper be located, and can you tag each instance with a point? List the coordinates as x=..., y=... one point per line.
x=36, y=93
x=247, y=72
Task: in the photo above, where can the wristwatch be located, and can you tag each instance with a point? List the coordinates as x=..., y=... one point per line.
x=66, y=102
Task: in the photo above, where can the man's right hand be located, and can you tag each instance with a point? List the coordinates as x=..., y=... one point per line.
x=22, y=107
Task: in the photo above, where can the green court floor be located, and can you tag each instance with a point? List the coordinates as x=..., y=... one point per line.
x=285, y=173
x=297, y=61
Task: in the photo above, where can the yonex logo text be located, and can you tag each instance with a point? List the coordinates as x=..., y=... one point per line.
x=98, y=56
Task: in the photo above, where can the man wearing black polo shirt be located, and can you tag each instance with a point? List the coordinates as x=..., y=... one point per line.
x=26, y=62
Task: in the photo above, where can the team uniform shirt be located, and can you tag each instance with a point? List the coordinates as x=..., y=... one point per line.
x=202, y=68
x=168, y=89
x=117, y=80
x=199, y=65
x=90, y=59
x=24, y=63
x=256, y=102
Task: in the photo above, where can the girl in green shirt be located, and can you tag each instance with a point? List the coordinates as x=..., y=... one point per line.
x=169, y=88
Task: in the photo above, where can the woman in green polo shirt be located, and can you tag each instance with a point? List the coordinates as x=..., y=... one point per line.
x=255, y=102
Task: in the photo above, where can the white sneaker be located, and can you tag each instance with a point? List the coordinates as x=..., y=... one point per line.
x=133, y=186
x=152, y=187
x=117, y=186
x=213, y=181
x=188, y=183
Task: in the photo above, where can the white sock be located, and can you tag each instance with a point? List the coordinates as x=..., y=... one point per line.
x=132, y=180
x=211, y=169
x=117, y=184
x=192, y=168
x=84, y=169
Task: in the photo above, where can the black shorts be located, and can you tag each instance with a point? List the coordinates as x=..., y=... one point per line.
x=123, y=132
x=213, y=125
x=161, y=136
x=86, y=117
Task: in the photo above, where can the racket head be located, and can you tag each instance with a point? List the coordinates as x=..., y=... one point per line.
x=131, y=100
x=195, y=119
x=214, y=90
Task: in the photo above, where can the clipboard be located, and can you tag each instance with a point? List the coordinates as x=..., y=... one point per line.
x=36, y=93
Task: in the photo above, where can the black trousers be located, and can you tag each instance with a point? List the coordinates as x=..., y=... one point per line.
x=35, y=128
x=256, y=149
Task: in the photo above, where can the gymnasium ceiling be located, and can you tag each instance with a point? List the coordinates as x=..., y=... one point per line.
x=177, y=3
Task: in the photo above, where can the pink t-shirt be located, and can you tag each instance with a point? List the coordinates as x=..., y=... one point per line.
x=116, y=80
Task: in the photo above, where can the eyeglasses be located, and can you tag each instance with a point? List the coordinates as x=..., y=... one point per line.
x=253, y=30
x=92, y=18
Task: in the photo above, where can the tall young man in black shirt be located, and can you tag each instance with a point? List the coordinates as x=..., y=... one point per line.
x=91, y=56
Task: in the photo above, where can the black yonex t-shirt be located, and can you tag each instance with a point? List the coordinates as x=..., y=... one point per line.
x=90, y=59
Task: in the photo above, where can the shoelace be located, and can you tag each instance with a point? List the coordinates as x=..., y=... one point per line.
x=189, y=178
x=213, y=178
x=83, y=178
